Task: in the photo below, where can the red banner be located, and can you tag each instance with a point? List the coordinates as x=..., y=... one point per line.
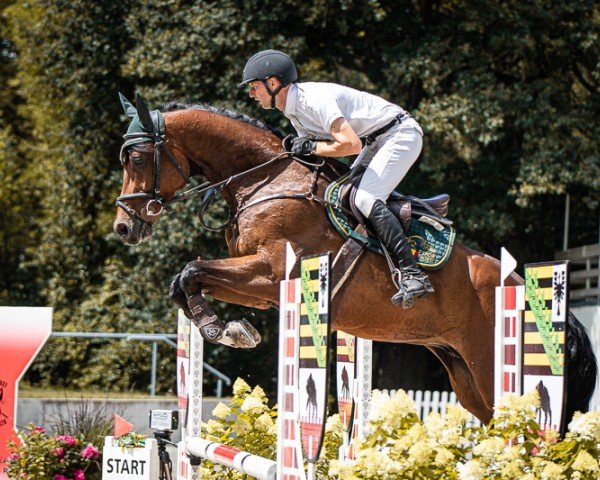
x=23, y=332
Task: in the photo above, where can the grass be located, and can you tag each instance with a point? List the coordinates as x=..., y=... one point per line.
x=27, y=391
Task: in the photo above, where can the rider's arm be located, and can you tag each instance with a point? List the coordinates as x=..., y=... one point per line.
x=345, y=142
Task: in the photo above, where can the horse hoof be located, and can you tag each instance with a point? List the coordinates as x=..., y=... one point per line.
x=240, y=334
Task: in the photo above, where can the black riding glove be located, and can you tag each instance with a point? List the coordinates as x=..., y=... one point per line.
x=300, y=146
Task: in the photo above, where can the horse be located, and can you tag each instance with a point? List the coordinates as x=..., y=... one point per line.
x=311, y=397
x=545, y=406
x=275, y=199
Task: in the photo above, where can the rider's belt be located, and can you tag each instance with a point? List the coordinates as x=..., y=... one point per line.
x=369, y=139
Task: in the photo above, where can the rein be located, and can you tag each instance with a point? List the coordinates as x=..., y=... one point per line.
x=210, y=189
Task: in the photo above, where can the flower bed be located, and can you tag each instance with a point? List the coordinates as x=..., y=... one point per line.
x=398, y=445
x=40, y=456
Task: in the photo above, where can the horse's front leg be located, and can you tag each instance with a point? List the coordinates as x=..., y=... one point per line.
x=244, y=280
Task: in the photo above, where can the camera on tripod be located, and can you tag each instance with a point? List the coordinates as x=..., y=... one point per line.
x=164, y=422
x=163, y=419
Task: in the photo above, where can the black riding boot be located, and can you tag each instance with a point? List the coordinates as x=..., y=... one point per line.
x=414, y=283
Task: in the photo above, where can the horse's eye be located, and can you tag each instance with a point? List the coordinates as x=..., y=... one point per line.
x=137, y=159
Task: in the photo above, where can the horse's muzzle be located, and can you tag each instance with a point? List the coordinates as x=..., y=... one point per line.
x=132, y=232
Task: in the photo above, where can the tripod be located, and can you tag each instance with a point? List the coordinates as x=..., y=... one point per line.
x=163, y=438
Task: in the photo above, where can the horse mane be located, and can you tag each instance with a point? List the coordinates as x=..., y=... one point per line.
x=173, y=106
x=332, y=169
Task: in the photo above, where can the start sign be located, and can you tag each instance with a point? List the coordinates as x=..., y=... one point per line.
x=23, y=332
x=129, y=463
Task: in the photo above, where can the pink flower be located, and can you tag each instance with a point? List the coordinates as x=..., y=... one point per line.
x=38, y=429
x=68, y=439
x=89, y=452
x=13, y=457
x=58, y=476
x=59, y=452
x=78, y=475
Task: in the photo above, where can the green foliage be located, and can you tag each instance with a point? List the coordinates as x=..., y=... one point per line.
x=59, y=457
x=507, y=93
x=131, y=440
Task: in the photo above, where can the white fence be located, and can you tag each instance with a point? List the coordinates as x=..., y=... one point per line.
x=433, y=401
x=584, y=279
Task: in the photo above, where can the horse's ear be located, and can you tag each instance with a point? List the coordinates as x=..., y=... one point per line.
x=143, y=113
x=127, y=106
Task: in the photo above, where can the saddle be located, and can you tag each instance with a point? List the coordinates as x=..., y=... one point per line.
x=431, y=211
x=430, y=234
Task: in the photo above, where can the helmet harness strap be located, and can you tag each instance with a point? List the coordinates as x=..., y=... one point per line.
x=273, y=93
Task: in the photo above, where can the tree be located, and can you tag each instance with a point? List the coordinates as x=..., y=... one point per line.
x=507, y=93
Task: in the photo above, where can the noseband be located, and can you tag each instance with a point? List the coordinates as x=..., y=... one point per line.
x=154, y=197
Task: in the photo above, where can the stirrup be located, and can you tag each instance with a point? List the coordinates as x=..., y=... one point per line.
x=402, y=297
x=406, y=298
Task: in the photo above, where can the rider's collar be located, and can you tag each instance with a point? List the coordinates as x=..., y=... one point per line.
x=291, y=100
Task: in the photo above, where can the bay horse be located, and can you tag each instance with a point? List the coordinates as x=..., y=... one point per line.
x=247, y=163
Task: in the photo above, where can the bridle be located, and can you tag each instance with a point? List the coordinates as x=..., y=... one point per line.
x=140, y=226
x=152, y=131
x=154, y=196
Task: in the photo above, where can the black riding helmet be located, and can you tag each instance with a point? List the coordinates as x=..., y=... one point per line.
x=269, y=63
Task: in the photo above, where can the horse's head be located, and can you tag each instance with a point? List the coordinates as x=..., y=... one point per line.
x=149, y=183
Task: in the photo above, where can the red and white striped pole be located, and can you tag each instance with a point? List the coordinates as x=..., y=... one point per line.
x=508, y=332
x=290, y=461
x=254, y=465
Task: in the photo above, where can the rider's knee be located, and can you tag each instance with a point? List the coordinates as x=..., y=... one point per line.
x=364, y=202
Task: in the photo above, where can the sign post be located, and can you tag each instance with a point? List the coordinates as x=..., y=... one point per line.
x=24, y=332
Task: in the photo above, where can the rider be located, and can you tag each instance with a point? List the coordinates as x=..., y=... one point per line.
x=335, y=121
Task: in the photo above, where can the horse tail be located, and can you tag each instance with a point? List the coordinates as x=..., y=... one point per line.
x=582, y=368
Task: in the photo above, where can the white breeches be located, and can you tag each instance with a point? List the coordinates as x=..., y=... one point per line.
x=388, y=159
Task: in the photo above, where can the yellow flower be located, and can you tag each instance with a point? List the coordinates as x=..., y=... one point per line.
x=264, y=423
x=375, y=463
x=259, y=393
x=334, y=424
x=434, y=425
x=221, y=411
x=551, y=471
x=241, y=426
x=585, y=463
x=517, y=410
x=213, y=427
x=585, y=426
x=489, y=447
x=240, y=387
x=472, y=470
x=443, y=457
x=393, y=411
x=421, y=452
x=456, y=416
x=252, y=405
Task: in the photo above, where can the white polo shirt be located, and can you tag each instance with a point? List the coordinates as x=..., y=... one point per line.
x=312, y=107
